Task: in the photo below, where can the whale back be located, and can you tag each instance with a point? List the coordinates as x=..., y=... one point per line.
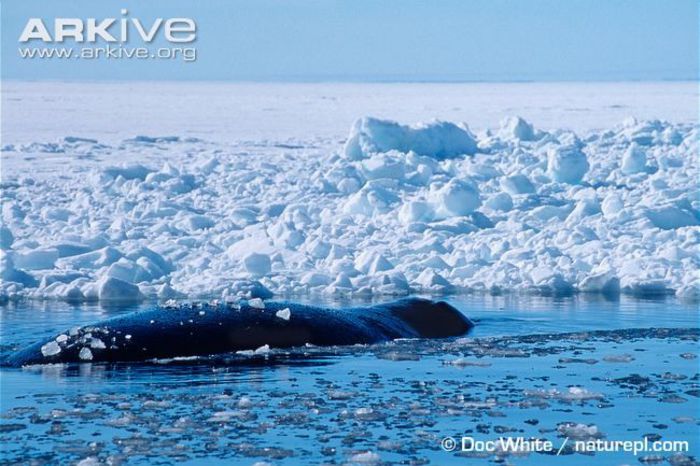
x=199, y=331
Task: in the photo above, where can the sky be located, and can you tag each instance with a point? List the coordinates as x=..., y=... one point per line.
x=381, y=40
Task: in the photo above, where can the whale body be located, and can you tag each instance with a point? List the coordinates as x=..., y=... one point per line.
x=213, y=329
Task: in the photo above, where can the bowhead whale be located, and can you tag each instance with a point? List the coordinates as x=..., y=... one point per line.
x=213, y=329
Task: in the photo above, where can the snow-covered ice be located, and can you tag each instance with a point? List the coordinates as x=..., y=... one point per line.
x=374, y=207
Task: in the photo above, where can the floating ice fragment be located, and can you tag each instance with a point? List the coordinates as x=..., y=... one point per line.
x=580, y=393
x=463, y=362
x=85, y=354
x=367, y=457
x=245, y=402
x=576, y=431
x=89, y=461
x=618, y=358
x=96, y=343
x=264, y=349
x=50, y=349
x=284, y=314
x=256, y=303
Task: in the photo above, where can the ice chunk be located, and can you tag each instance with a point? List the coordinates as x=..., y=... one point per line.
x=641, y=287
x=371, y=199
x=51, y=348
x=85, y=354
x=367, y=457
x=438, y=139
x=6, y=237
x=603, y=282
x=127, y=271
x=516, y=128
x=384, y=166
x=315, y=279
x=56, y=213
x=458, y=198
x=552, y=285
x=256, y=303
x=114, y=289
x=611, y=205
x=167, y=292
x=93, y=260
x=199, y=222
x=264, y=349
x=341, y=283
x=416, y=211
x=8, y=272
x=257, y=264
x=517, y=184
x=431, y=280
x=349, y=185
x=96, y=343
x=584, y=208
x=89, y=461
x=318, y=248
x=71, y=249
x=634, y=160
x=284, y=314
x=580, y=394
x=245, y=402
x=671, y=217
x=72, y=294
x=36, y=259
x=501, y=201
x=576, y=431
x=371, y=262
x=128, y=172
x=689, y=292
x=567, y=164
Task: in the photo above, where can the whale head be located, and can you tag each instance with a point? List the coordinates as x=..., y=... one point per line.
x=431, y=319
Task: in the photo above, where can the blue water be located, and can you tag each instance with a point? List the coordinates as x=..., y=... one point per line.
x=395, y=400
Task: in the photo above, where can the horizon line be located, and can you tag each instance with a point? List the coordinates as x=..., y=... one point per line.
x=351, y=81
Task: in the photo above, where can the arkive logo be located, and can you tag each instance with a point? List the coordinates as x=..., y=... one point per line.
x=110, y=30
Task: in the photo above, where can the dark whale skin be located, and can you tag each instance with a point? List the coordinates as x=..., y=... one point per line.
x=212, y=329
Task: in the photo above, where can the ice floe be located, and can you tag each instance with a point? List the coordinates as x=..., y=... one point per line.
x=393, y=209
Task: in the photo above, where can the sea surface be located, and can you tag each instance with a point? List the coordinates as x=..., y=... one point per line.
x=561, y=370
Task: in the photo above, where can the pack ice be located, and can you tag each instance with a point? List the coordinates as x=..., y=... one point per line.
x=394, y=209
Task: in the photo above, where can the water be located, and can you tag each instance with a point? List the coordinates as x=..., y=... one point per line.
x=396, y=401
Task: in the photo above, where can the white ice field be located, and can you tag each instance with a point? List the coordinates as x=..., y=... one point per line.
x=129, y=191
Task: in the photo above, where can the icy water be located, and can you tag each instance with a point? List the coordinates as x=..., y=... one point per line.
x=555, y=369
